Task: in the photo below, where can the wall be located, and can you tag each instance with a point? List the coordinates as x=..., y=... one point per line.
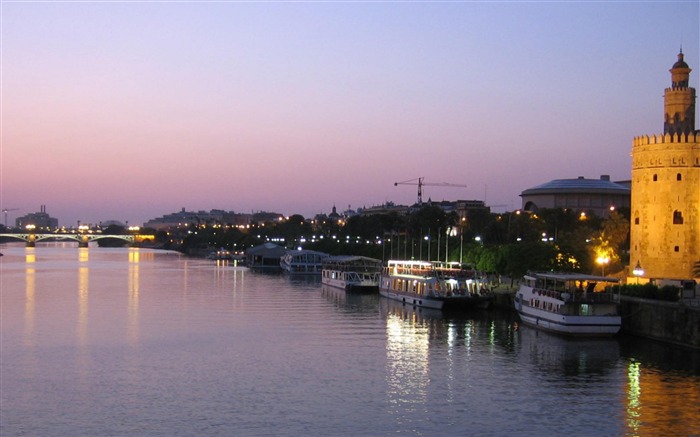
x=665, y=180
x=665, y=321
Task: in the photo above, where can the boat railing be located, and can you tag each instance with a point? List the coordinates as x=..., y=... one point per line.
x=577, y=296
x=413, y=271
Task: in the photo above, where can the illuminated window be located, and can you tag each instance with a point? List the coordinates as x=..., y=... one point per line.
x=677, y=217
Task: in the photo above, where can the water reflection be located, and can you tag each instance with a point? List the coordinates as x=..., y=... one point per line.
x=83, y=293
x=407, y=368
x=30, y=296
x=553, y=354
x=653, y=406
x=133, y=299
x=351, y=302
x=312, y=280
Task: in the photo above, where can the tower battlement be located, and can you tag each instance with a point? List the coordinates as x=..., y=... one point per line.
x=679, y=89
x=646, y=140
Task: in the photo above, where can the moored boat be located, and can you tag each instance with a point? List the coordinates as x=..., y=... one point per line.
x=569, y=303
x=303, y=262
x=352, y=273
x=221, y=254
x=434, y=285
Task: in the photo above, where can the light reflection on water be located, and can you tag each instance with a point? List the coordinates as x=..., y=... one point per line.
x=104, y=341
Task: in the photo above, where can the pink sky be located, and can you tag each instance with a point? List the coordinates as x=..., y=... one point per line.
x=129, y=111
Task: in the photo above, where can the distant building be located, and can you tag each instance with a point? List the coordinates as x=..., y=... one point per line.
x=665, y=212
x=461, y=207
x=386, y=208
x=586, y=195
x=265, y=256
x=185, y=218
x=266, y=217
x=334, y=215
x=41, y=220
x=108, y=223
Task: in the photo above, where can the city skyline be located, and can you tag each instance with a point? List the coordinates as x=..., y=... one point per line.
x=129, y=111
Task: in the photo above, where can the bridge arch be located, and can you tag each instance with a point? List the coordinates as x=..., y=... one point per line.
x=82, y=239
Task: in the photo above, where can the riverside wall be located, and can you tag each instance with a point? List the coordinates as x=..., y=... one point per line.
x=671, y=322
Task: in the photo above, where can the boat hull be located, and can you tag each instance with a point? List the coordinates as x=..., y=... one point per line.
x=437, y=302
x=353, y=287
x=412, y=300
x=576, y=326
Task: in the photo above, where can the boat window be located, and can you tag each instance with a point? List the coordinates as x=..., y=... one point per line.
x=585, y=310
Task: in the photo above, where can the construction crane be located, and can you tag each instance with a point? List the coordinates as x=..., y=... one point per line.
x=421, y=184
x=6, y=210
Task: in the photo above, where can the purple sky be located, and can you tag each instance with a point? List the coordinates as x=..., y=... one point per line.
x=129, y=111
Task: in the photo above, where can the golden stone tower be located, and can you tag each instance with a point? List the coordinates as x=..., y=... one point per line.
x=665, y=204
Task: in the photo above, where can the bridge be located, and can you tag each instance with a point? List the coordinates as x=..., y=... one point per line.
x=83, y=239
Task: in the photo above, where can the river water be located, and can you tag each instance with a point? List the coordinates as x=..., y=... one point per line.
x=133, y=342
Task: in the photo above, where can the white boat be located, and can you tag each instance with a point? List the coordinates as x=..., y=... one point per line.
x=433, y=285
x=569, y=303
x=303, y=262
x=352, y=273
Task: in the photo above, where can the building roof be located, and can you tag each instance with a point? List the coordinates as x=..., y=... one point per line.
x=680, y=63
x=578, y=185
x=269, y=250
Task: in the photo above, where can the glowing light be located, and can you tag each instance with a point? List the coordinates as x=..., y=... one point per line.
x=638, y=271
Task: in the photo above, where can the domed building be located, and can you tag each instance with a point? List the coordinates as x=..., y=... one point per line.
x=595, y=196
x=665, y=210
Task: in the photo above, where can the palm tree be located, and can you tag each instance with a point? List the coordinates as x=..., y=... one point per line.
x=696, y=269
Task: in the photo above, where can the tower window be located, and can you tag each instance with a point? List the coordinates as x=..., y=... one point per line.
x=636, y=220
x=677, y=217
x=656, y=178
x=679, y=177
x=676, y=249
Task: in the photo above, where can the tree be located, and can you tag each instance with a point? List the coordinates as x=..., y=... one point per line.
x=617, y=228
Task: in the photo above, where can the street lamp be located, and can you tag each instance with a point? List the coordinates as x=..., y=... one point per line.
x=638, y=271
x=602, y=260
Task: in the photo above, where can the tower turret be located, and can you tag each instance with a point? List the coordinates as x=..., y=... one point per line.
x=679, y=100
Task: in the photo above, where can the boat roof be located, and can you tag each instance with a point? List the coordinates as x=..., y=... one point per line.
x=347, y=259
x=305, y=251
x=570, y=277
x=410, y=263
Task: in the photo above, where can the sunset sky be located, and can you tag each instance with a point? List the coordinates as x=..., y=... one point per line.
x=131, y=110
